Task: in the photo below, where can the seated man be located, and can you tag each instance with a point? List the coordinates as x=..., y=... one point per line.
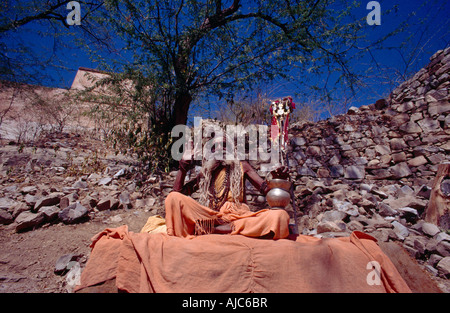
x=222, y=207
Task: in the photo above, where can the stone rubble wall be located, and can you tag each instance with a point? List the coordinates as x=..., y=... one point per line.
x=372, y=169
x=403, y=137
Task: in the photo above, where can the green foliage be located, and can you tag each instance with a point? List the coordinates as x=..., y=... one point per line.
x=151, y=146
x=127, y=108
x=91, y=164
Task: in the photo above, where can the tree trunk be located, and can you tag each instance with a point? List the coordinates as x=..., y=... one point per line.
x=438, y=210
x=181, y=108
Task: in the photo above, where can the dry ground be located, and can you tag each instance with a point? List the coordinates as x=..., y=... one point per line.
x=28, y=259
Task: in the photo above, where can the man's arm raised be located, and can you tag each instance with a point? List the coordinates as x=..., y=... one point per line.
x=257, y=181
x=254, y=178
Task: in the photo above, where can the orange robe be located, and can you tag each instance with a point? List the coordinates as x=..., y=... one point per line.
x=185, y=217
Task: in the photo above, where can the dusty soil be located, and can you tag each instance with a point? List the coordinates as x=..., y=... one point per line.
x=28, y=259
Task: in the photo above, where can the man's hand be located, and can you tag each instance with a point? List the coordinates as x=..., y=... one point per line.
x=188, y=156
x=282, y=172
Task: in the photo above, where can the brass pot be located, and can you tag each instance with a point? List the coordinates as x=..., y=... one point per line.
x=278, y=196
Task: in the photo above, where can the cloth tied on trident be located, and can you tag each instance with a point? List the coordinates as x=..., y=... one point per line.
x=280, y=109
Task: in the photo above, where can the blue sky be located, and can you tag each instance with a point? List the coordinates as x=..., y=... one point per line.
x=429, y=31
x=425, y=39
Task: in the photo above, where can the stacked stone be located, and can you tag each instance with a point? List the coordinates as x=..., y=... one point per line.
x=372, y=169
x=403, y=137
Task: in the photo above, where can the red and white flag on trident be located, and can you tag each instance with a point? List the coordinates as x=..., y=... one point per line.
x=280, y=109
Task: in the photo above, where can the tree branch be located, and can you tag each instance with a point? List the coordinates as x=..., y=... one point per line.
x=48, y=14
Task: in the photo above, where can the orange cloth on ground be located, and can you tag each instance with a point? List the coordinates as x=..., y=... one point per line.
x=186, y=217
x=143, y=262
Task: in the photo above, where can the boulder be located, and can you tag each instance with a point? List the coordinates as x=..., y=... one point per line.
x=31, y=200
x=400, y=170
x=410, y=128
x=378, y=222
x=29, y=190
x=399, y=157
x=355, y=225
x=400, y=119
x=400, y=229
x=410, y=214
x=313, y=151
x=64, y=202
x=7, y=203
x=336, y=170
x=19, y=208
x=28, y=220
x=379, y=193
x=355, y=172
x=405, y=191
x=298, y=141
x=105, y=181
x=430, y=229
x=442, y=236
x=63, y=264
x=444, y=267
x=5, y=217
x=305, y=171
x=94, y=177
x=382, y=234
x=382, y=149
x=51, y=199
x=380, y=104
x=424, y=192
x=325, y=227
x=382, y=174
x=419, y=243
x=74, y=213
x=150, y=202
x=12, y=189
x=345, y=207
x=398, y=144
x=333, y=215
x=80, y=184
x=89, y=202
x=437, y=108
x=120, y=173
x=50, y=212
x=443, y=248
x=368, y=204
x=385, y=210
x=124, y=200
x=353, y=110
x=417, y=161
x=109, y=203
x=429, y=125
